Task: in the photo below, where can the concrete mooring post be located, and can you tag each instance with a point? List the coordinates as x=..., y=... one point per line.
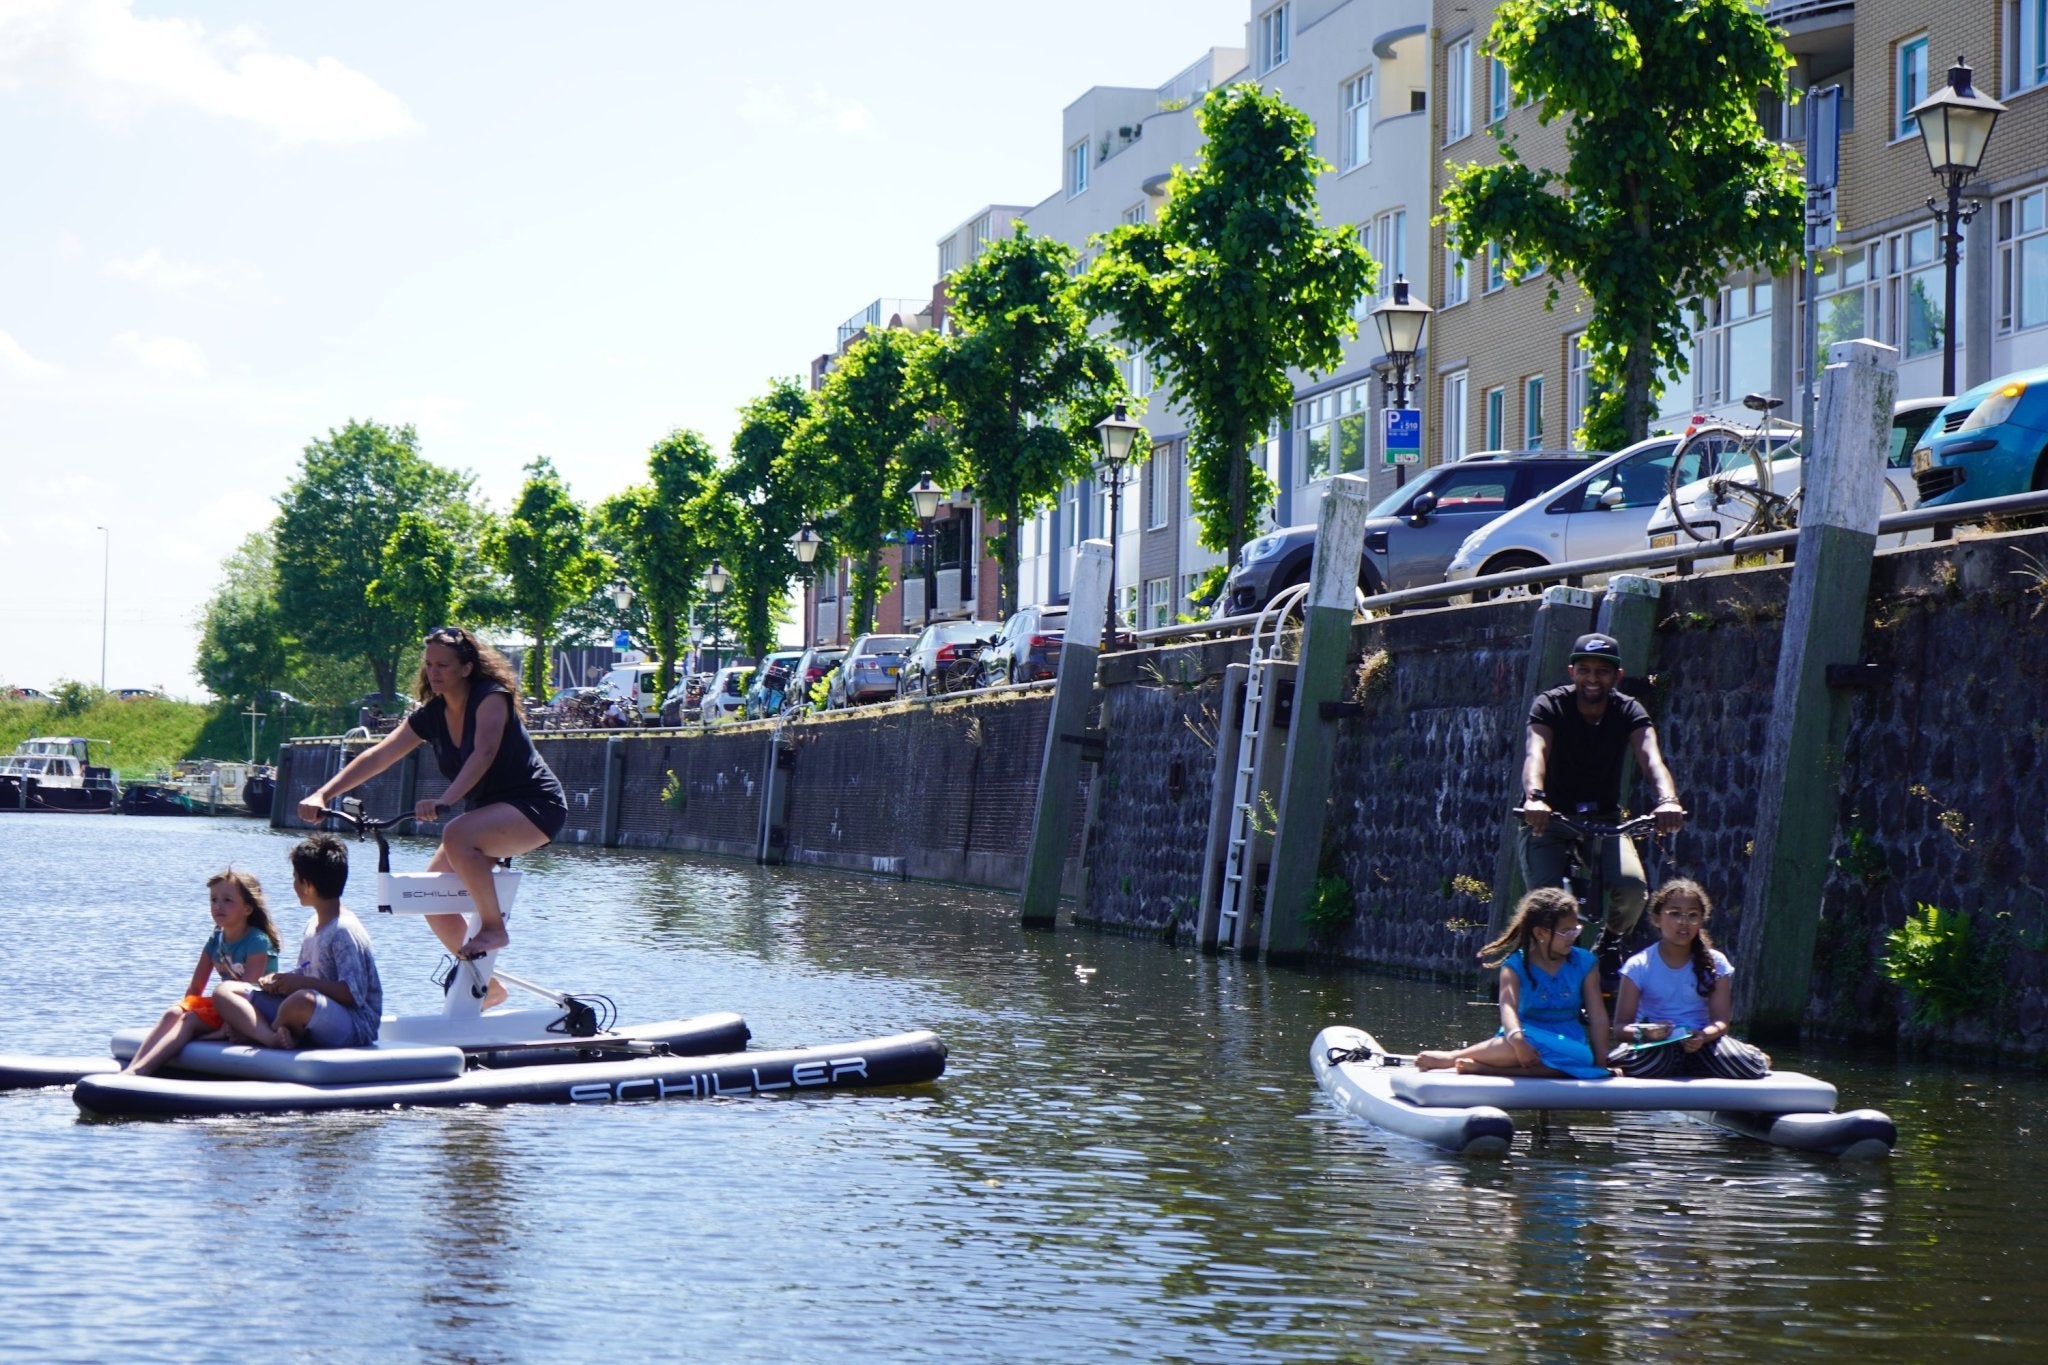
x=1562, y=616
x=1800, y=774
x=1318, y=701
x=1066, y=734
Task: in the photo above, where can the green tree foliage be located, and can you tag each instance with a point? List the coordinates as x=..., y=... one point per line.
x=333, y=524
x=866, y=441
x=543, y=547
x=656, y=527
x=417, y=577
x=244, y=648
x=1671, y=181
x=1233, y=286
x=1021, y=382
x=764, y=498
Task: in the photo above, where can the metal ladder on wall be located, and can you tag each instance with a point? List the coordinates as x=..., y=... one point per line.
x=1237, y=863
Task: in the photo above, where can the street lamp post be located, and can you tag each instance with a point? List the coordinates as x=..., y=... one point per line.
x=106, y=563
x=927, y=496
x=1118, y=433
x=804, y=545
x=1955, y=123
x=1400, y=322
x=714, y=583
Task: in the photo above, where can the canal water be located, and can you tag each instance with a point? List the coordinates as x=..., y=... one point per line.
x=1126, y=1159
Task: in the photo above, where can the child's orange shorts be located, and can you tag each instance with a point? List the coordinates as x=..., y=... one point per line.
x=202, y=1006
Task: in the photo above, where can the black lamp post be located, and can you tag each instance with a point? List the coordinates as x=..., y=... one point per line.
x=804, y=545
x=1955, y=123
x=1400, y=322
x=714, y=582
x=927, y=496
x=1119, y=433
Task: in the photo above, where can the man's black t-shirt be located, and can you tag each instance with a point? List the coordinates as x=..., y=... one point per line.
x=1584, y=768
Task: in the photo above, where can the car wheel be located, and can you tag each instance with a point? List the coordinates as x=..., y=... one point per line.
x=1508, y=563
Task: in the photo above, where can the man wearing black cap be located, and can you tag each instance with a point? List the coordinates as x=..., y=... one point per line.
x=1578, y=735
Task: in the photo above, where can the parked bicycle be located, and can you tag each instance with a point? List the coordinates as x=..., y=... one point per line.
x=1735, y=465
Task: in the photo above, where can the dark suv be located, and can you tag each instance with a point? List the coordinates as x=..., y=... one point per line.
x=1414, y=532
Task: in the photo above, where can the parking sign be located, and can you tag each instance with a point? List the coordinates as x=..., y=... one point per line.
x=1403, y=427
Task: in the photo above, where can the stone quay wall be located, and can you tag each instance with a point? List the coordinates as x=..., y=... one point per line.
x=1942, y=796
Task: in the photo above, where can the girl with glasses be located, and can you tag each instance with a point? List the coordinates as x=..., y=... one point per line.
x=1681, y=982
x=1546, y=980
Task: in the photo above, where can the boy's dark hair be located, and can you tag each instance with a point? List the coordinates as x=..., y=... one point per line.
x=321, y=862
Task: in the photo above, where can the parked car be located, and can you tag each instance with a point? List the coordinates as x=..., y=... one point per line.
x=1028, y=647
x=1414, y=532
x=28, y=694
x=1603, y=511
x=817, y=661
x=726, y=693
x=869, y=670
x=684, y=699
x=1910, y=417
x=634, y=687
x=770, y=689
x=1987, y=443
x=945, y=657
x=136, y=693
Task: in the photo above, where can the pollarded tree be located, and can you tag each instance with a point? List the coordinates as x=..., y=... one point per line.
x=665, y=551
x=1232, y=287
x=1670, y=183
x=1021, y=382
x=766, y=498
x=333, y=524
x=543, y=547
x=866, y=440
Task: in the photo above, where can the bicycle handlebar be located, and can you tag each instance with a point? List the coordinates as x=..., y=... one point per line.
x=351, y=812
x=1599, y=828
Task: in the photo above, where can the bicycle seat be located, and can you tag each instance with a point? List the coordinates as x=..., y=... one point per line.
x=1762, y=402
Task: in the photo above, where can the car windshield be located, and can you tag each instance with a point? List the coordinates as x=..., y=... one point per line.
x=960, y=630
x=1396, y=500
x=1053, y=620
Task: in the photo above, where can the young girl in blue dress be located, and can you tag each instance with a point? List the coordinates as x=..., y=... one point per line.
x=242, y=947
x=1546, y=980
x=1681, y=982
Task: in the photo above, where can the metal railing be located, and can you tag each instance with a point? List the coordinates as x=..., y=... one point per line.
x=1574, y=573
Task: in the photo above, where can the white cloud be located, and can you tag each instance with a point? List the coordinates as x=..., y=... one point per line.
x=102, y=53
x=773, y=107
x=15, y=359
x=165, y=355
x=154, y=270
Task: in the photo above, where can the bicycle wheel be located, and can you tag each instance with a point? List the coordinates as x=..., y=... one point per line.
x=1737, y=479
x=1889, y=501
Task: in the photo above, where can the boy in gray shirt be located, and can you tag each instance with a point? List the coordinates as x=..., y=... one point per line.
x=333, y=997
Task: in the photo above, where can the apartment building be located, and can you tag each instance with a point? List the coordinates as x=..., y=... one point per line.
x=1508, y=373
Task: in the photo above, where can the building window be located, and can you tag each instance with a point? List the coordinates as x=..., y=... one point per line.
x=1732, y=352
x=1578, y=387
x=1910, y=292
x=1496, y=274
x=1077, y=168
x=1190, y=584
x=1909, y=81
x=1457, y=277
x=949, y=256
x=1532, y=412
x=1455, y=447
x=828, y=584
x=1357, y=126
x=1158, y=603
x=1332, y=426
x=1135, y=213
x=1496, y=419
x=1159, y=495
x=2027, y=43
x=978, y=236
x=2023, y=260
x=1457, y=90
x=1499, y=90
x=1273, y=38
x=1386, y=240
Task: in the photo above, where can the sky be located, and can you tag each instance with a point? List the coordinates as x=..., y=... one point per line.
x=525, y=228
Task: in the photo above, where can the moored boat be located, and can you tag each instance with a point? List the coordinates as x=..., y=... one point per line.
x=1468, y=1114
x=56, y=773
x=260, y=790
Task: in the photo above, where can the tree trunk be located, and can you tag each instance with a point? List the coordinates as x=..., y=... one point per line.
x=865, y=580
x=663, y=624
x=386, y=671
x=1636, y=410
x=1011, y=592
x=1240, y=495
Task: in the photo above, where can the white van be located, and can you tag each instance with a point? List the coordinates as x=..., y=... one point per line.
x=633, y=686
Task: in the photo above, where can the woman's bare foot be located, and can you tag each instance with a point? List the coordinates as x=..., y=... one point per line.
x=1466, y=1066
x=282, y=1037
x=495, y=994
x=1434, y=1061
x=487, y=941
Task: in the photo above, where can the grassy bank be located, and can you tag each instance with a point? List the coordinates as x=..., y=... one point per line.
x=152, y=733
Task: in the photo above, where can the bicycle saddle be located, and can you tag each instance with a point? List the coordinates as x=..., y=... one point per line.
x=1762, y=402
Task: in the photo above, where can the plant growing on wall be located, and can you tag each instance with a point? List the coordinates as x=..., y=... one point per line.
x=1941, y=962
x=1670, y=180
